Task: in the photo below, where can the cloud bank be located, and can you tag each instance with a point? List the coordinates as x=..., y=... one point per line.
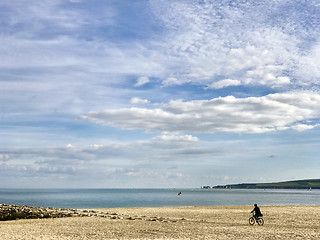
x=106, y=161
x=280, y=111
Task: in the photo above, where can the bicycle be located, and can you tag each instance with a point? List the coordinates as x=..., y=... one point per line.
x=258, y=220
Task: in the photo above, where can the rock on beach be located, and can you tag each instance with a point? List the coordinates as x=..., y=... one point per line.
x=13, y=212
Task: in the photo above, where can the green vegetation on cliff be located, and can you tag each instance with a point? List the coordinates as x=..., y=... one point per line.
x=298, y=184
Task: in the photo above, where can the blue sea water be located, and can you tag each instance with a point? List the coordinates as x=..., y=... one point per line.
x=112, y=198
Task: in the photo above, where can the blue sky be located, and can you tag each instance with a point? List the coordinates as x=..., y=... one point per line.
x=159, y=93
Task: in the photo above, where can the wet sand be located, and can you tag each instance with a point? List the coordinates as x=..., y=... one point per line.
x=281, y=222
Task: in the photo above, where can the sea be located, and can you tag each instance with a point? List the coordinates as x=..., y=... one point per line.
x=115, y=198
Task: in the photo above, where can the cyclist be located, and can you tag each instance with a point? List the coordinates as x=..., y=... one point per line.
x=257, y=212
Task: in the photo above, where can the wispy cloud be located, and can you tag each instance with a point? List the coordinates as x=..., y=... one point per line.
x=255, y=44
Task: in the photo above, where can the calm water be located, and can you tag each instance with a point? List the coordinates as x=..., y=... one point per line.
x=111, y=198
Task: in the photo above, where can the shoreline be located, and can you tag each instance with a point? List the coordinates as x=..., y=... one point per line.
x=219, y=222
x=157, y=198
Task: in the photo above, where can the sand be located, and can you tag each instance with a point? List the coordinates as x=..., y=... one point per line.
x=281, y=222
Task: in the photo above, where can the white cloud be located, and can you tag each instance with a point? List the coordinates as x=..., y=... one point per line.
x=224, y=114
x=224, y=83
x=183, y=138
x=137, y=100
x=142, y=81
x=303, y=127
x=308, y=72
x=172, y=81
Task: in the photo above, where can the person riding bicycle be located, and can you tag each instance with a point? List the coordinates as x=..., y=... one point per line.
x=256, y=211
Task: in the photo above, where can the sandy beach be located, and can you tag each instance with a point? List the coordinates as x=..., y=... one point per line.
x=281, y=222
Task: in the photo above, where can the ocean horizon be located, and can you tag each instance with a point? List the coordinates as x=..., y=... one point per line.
x=156, y=197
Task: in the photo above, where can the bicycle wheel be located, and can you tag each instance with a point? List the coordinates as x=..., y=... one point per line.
x=251, y=220
x=260, y=221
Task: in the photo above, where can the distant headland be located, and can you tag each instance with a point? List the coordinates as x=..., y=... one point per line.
x=297, y=184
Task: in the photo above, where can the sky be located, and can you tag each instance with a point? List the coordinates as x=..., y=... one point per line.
x=158, y=93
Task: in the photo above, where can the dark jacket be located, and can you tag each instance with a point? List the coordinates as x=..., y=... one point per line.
x=256, y=211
